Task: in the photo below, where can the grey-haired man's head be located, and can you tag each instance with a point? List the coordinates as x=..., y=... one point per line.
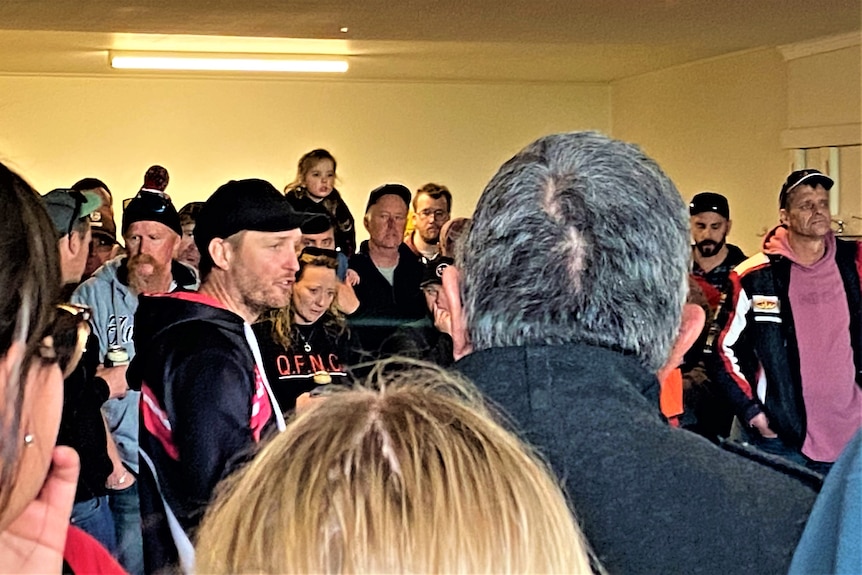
x=579, y=238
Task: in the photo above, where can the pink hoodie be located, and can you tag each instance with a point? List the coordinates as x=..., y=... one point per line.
x=833, y=400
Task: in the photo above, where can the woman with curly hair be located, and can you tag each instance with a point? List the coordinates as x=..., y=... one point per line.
x=307, y=343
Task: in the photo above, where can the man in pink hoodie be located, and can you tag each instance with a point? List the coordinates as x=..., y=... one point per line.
x=788, y=340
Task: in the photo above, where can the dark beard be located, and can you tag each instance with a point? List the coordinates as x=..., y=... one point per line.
x=708, y=248
x=141, y=282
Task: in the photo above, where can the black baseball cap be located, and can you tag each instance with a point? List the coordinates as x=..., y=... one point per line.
x=251, y=204
x=386, y=190
x=709, y=202
x=432, y=272
x=811, y=176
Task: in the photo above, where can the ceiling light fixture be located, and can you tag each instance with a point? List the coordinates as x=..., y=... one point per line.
x=225, y=62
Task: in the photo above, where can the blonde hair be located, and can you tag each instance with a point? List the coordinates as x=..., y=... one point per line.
x=410, y=474
x=282, y=319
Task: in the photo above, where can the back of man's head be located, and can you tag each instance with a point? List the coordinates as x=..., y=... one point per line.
x=578, y=238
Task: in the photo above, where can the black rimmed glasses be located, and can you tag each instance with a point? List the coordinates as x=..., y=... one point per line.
x=67, y=339
x=428, y=213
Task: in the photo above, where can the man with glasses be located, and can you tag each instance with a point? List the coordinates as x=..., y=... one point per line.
x=431, y=209
x=388, y=291
x=151, y=229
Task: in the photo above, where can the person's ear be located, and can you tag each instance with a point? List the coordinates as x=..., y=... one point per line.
x=782, y=217
x=461, y=344
x=729, y=225
x=693, y=320
x=221, y=252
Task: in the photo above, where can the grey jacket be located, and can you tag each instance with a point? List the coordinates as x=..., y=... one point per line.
x=113, y=316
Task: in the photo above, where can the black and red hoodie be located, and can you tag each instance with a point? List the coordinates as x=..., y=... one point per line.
x=204, y=406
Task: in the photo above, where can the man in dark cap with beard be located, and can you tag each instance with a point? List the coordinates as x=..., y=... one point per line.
x=713, y=257
x=706, y=411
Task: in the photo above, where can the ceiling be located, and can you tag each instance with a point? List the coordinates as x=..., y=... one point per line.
x=452, y=40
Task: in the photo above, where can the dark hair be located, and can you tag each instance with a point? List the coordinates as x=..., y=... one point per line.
x=91, y=184
x=435, y=191
x=189, y=212
x=29, y=272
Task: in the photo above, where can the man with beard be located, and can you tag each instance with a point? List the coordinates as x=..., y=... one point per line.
x=431, y=209
x=788, y=349
x=390, y=273
x=151, y=229
x=706, y=411
x=206, y=400
x=713, y=256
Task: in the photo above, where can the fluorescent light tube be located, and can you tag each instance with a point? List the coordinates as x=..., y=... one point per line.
x=226, y=64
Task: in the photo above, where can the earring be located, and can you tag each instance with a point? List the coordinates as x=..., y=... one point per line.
x=28, y=439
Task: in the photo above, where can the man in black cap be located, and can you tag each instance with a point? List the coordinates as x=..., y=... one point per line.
x=206, y=399
x=706, y=411
x=429, y=338
x=388, y=291
x=151, y=230
x=713, y=257
x=788, y=338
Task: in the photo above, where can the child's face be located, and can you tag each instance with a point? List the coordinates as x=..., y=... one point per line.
x=320, y=179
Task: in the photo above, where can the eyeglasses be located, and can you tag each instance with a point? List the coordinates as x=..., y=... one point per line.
x=67, y=340
x=149, y=201
x=428, y=212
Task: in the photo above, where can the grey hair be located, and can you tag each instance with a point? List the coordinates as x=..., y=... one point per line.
x=578, y=239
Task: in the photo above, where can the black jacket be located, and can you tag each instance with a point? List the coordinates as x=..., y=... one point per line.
x=650, y=498
x=383, y=307
x=82, y=426
x=749, y=337
x=196, y=373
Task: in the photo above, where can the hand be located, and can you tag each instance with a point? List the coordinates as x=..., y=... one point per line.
x=345, y=299
x=352, y=278
x=761, y=424
x=456, y=322
x=307, y=401
x=116, y=379
x=120, y=479
x=35, y=540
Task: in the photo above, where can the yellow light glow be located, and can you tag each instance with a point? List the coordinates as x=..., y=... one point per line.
x=218, y=63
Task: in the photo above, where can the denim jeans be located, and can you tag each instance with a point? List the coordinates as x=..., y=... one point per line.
x=127, y=519
x=94, y=517
x=775, y=446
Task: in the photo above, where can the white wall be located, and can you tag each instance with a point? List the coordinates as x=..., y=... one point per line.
x=56, y=130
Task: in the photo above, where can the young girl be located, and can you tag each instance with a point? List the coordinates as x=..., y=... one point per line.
x=315, y=184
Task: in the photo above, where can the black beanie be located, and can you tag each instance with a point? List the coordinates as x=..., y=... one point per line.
x=151, y=207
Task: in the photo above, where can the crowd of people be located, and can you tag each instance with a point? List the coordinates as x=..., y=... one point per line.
x=249, y=390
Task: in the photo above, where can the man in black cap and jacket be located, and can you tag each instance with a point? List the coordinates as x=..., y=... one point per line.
x=205, y=397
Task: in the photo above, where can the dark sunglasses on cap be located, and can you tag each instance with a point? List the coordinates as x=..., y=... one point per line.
x=150, y=201
x=67, y=340
x=80, y=200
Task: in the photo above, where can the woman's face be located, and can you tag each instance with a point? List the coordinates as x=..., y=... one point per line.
x=320, y=179
x=40, y=418
x=313, y=293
